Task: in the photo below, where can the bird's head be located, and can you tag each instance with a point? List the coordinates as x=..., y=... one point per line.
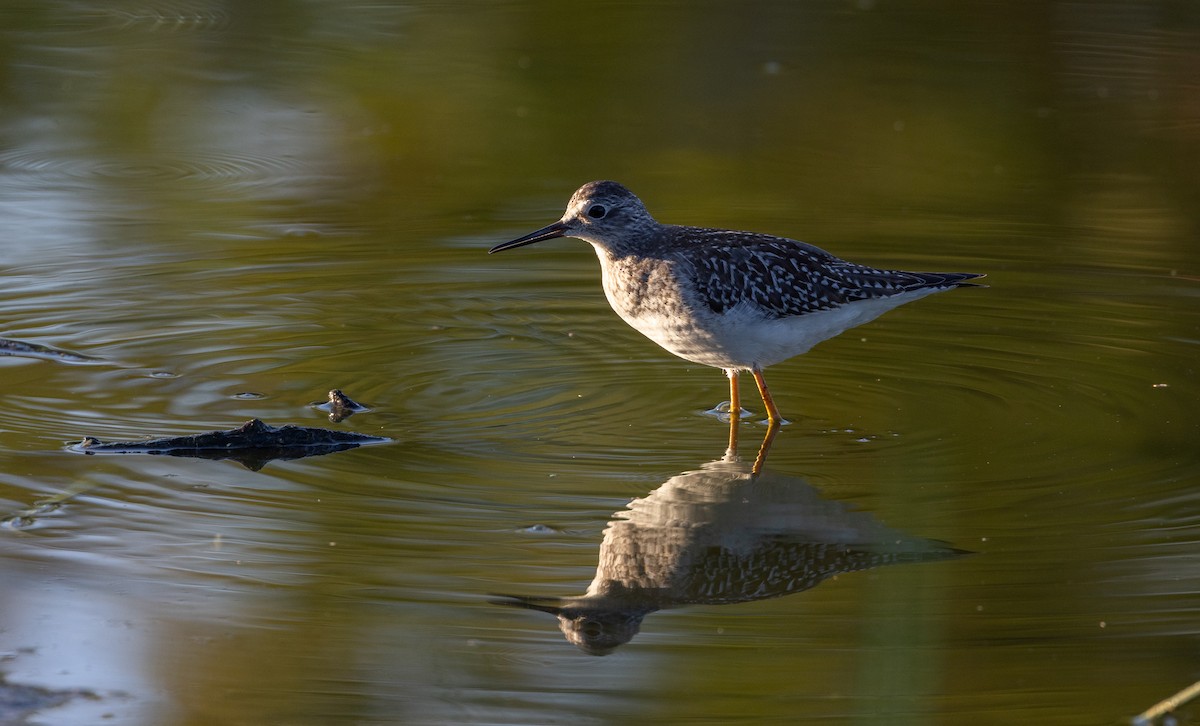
x=603, y=213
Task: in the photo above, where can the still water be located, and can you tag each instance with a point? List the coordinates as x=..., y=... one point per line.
x=985, y=509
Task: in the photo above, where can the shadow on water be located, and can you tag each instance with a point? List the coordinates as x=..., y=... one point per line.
x=730, y=532
x=25, y=349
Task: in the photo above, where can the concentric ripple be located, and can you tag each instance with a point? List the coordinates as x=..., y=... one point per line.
x=213, y=168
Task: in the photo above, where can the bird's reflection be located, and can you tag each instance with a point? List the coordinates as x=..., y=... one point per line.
x=730, y=532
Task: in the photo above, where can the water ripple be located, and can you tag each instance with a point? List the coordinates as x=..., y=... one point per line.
x=207, y=167
x=171, y=16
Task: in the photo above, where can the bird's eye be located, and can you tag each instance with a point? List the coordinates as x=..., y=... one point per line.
x=597, y=211
x=592, y=629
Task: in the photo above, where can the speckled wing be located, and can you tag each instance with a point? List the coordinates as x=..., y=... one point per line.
x=783, y=277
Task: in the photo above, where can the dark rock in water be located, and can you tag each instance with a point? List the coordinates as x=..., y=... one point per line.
x=340, y=406
x=19, y=702
x=21, y=349
x=254, y=443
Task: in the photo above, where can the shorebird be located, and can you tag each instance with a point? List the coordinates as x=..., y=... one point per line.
x=739, y=301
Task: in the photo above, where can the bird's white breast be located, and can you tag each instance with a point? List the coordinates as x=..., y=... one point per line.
x=655, y=298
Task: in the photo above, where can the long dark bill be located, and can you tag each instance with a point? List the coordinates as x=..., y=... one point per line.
x=550, y=231
x=542, y=604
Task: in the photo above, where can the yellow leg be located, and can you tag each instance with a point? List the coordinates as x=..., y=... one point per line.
x=735, y=412
x=772, y=412
x=735, y=401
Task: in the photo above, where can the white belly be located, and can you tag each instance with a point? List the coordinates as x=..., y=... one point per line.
x=742, y=339
x=651, y=295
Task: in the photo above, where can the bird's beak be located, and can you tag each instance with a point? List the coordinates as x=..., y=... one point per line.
x=550, y=231
x=542, y=604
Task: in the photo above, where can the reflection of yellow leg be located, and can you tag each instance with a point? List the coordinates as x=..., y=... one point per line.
x=733, y=437
x=765, y=447
x=772, y=412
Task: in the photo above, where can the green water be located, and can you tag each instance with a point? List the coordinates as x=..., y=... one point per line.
x=236, y=207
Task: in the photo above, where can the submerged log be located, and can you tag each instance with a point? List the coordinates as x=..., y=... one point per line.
x=254, y=443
